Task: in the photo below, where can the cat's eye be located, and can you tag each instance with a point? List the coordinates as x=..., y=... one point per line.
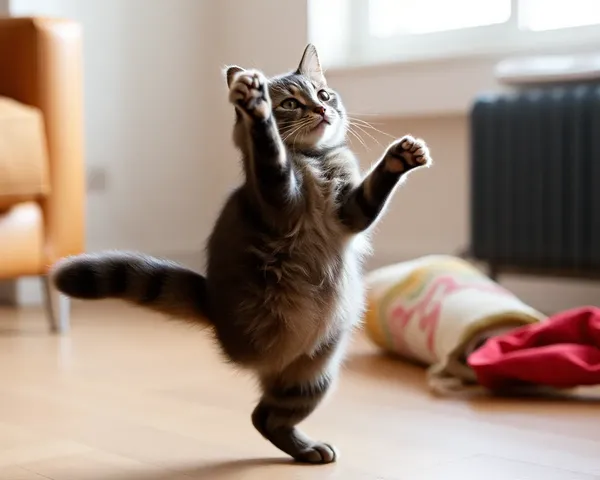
x=290, y=104
x=324, y=95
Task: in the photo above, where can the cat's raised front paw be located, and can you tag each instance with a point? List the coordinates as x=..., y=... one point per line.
x=406, y=154
x=249, y=93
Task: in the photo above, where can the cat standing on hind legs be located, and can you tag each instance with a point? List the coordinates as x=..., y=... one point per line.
x=283, y=287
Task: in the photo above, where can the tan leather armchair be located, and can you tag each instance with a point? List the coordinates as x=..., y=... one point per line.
x=41, y=66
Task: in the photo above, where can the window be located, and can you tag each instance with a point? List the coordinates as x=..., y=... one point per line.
x=392, y=17
x=374, y=31
x=540, y=15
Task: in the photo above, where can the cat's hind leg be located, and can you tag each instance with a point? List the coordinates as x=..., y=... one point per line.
x=291, y=396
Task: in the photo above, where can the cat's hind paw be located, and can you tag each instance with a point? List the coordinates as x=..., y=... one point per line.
x=318, y=453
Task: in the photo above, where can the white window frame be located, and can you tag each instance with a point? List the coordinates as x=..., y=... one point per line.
x=355, y=46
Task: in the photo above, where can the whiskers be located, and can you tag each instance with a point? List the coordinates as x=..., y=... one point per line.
x=358, y=129
x=293, y=129
x=358, y=126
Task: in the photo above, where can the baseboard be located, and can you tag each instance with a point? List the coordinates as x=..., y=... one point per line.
x=24, y=292
x=29, y=292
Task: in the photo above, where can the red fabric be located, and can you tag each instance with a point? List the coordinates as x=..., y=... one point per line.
x=561, y=352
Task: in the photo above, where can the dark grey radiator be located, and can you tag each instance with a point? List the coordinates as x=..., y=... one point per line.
x=535, y=183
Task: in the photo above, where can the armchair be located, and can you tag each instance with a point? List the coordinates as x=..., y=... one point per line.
x=41, y=66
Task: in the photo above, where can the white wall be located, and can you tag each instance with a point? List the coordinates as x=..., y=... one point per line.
x=145, y=95
x=266, y=34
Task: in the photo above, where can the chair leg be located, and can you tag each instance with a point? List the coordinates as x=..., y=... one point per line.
x=57, y=307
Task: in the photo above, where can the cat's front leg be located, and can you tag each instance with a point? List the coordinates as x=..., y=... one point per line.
x=364, y=204
x=272, y=175
x=248, y=92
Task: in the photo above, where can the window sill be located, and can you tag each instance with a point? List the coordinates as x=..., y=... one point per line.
x=434, y=87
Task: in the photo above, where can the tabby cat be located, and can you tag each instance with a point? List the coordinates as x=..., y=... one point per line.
x=283, y=288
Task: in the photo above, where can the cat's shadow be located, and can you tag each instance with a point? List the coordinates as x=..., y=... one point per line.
x=217, y=470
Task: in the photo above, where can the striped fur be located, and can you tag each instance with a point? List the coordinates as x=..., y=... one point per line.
x=365, y=203
x=292, y=395
x=142, y=280
x=283, y=288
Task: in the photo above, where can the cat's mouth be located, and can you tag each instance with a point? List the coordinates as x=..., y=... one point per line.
x=322, y=124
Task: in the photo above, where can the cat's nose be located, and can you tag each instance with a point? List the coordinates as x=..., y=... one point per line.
x=320, y=110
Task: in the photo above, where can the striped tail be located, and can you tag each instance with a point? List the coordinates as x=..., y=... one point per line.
x=139, y=279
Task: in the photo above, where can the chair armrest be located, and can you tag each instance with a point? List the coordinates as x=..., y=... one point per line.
x=41, y=65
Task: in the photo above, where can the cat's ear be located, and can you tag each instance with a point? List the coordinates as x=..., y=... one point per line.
x=230, y=72
x=310, y=65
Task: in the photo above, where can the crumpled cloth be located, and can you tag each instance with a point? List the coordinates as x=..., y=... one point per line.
x=560, y=352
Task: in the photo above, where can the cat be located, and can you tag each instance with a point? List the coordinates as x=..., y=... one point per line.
x=283, y=289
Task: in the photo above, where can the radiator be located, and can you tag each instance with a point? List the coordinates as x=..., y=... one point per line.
x=535, y=178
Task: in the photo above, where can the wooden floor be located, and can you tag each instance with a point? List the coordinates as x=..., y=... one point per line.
x=127, y=396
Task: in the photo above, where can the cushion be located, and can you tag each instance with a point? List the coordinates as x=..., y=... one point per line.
x=23, y=157
x=22, y=241
x=434, y=310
